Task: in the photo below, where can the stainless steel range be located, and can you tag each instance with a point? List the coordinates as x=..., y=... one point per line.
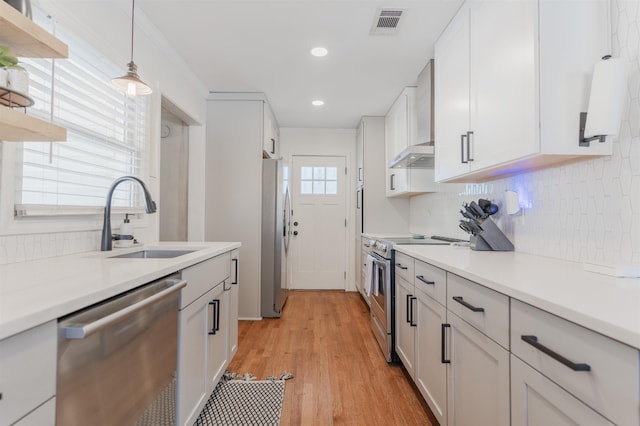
x=380, y=284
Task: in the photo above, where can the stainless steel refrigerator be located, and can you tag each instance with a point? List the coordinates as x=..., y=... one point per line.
x=276, y=212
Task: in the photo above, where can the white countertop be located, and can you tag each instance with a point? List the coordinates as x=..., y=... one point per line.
x=32, y=293
x=608, y=305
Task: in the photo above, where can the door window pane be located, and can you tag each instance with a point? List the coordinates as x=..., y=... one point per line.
x=319, y=180
x=306, y=187
x=306, y=173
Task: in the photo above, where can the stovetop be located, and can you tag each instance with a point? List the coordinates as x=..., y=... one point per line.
x=417, y=241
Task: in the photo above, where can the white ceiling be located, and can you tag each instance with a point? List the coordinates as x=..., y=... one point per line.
x=263, y=46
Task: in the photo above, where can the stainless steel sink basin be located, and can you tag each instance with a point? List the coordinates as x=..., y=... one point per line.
x=153, y=254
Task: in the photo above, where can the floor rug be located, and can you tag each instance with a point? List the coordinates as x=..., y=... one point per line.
x=244, y=402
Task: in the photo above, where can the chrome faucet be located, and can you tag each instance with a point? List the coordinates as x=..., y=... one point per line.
x=149, y=206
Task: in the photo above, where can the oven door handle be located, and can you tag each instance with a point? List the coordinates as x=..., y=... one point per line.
x=86, y=330
x=379, y=263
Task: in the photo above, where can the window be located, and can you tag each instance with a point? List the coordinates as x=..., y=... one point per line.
x=319, y=180
x=106, y=133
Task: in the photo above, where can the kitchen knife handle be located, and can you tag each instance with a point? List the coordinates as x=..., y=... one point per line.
x=424, y=280
x=443, y=342
x=533, y=341
x=462, y=138
x=467, y=305
x=413, y=324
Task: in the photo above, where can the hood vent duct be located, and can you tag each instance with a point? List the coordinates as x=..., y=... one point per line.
x=422, y=154
x=387, y=21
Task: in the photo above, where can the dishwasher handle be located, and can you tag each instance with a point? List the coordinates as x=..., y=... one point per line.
x=83, y=331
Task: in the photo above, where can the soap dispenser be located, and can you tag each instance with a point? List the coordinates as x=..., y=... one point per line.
x=125, y=237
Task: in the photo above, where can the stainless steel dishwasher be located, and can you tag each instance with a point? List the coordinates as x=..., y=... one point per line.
x=117, y=359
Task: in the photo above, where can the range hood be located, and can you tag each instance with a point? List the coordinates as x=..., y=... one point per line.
x=421, y=155
x=416, y=156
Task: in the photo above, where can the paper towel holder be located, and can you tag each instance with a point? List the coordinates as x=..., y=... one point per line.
x=584, y=141
x=587, y=141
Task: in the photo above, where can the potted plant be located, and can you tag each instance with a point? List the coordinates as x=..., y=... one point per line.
x=12, y=75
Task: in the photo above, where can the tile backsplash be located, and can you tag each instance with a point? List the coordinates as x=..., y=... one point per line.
x=587, y=211
x=21, y=248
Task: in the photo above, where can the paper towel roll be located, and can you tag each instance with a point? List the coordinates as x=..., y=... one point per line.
x=606, y=98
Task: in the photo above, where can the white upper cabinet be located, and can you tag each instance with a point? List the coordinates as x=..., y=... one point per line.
x=401, y=130
x=511, y=79
x=401, y=124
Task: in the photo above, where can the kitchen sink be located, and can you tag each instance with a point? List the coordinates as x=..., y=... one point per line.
x=153, y=254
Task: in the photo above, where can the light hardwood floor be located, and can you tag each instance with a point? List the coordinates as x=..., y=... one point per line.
x=341, y=377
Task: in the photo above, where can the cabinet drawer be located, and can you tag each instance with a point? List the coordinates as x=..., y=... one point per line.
x=431, y=281
x=204, y=276
x=610, y=386
x=404, y=266
x=483, y=308
x=537, y=400
x=27, y=371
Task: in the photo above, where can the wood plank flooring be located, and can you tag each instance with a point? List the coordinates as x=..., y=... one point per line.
x=341, y=377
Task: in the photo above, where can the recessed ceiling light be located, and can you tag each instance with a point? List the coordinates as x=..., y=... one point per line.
x=319, y=51
x=317, y=102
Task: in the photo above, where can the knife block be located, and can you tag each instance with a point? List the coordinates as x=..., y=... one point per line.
x=491, y=238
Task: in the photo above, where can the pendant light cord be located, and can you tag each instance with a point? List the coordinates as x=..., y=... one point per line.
x=133, y=11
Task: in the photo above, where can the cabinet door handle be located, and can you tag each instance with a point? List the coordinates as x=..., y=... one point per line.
x=359, y=174
x=533, y=341
x=443, y=342
x=424, y=280
x=467, y=305
x=413, y=324
x=216, y=316
x=462, y=138
x=235, y=275
x=391, y=182
x=399, y=265
x=273, y=146
x=469, y=157
x=409, y=313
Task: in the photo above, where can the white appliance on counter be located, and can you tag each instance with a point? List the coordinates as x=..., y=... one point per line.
x=276, y=214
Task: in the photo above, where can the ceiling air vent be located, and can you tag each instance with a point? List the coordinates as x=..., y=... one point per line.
x=387, y=21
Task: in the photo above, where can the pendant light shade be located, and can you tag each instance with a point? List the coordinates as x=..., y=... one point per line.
x=130, y=83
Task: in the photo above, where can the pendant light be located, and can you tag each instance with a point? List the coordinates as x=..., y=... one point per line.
x=130, y=83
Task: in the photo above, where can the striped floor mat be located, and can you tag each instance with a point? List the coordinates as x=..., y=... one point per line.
x=242, y=402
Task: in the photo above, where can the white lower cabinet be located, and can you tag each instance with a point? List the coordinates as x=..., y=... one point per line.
x=478, y=377
x=430, y=371
x=28, y=376
x=233, y=303
x=206, y=333
x=405, y=327
x=481, y=358
x=218, y=334
x=602, y=373
x=537, y=401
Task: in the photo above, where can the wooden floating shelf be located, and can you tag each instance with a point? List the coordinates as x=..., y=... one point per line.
x=17, y=126
x=27, y=39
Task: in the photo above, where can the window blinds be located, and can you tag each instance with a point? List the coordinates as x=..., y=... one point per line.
x=106, y=133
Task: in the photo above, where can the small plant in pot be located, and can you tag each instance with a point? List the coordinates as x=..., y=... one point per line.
x=12, y=75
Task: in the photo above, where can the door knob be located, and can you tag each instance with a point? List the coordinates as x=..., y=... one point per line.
x=295, y=223
x=295, y=232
